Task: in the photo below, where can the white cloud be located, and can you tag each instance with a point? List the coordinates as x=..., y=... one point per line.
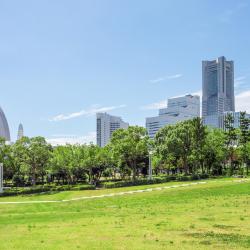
x=242, y=102
x=160, y=79
x=89, y=112
x=67, y=139
x=239, y=81
x=174, y=76
x=63, y=135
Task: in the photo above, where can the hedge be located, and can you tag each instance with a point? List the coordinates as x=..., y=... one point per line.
x=45, y=189
x=155, y=180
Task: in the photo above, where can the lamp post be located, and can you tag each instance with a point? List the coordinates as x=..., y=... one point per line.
x=150, y=165
x=1, y=177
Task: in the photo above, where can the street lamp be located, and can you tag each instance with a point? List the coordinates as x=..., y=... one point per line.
x=150, y=165
x=1, y=177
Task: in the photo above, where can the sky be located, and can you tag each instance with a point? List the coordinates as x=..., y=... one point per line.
x=62, y=61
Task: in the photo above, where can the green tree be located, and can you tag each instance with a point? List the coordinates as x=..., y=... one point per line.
x=34, y=153
x=166, y=147
x=244, y=138
x=183, y=134
x=199, y=135
x=214, y=151
x=130, y=146
x=95, y=162
x=231, y=137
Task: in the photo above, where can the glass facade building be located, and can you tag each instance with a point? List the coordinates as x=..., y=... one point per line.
x=217, y=89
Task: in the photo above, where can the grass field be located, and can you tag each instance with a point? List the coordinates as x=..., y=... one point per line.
x=215, y=215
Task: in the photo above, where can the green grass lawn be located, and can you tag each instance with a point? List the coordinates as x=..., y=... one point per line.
x=215, y=215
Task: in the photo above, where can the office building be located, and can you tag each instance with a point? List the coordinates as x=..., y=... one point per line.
x=217, y=90
x=4, y=127
x=105, y=125
x=20, y=131
x=178, y=109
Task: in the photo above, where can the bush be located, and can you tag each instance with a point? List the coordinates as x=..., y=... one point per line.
x=194, y=177
x=18, y=180
x=44, y=188
x=183, y=178
x=204, y=176
x=135, y=183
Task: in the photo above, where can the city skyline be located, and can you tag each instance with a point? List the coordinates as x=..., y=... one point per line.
x=55, y=74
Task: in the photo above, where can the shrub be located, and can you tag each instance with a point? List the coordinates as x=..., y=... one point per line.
x=194, y=177
x=183, y=178
x=44, y=188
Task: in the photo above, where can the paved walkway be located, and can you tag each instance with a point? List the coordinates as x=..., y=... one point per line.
x=117, y=194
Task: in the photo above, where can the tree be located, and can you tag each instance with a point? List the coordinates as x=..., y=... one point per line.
x=131, y=147
x=96, y=161
x=184, y=138
x=166, y=145
x=67, y=163
x=244, y=137
x=214, y=151
x=231, y=137
x=35, y=153
x=199, y=135
x=6, y=159
x=174, y=144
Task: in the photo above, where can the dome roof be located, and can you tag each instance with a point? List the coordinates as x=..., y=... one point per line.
x=4, y=127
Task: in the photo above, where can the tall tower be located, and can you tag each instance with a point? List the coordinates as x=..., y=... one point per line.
x=20, y=131
x=4, y=127
x=217, y=89
x=105, y=125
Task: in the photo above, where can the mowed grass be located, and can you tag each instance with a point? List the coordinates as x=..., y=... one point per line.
x=215, y=215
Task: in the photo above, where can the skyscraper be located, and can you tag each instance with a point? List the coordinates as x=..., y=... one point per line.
x=105, y=125
x=217, y=89
x=20, y=131
x=4, y=127
x=178, y=109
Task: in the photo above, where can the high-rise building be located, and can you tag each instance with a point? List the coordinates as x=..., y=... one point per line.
x=178, y=109
x=217, y=89
x=20, y=131
x=4, y=127
x=105, y=125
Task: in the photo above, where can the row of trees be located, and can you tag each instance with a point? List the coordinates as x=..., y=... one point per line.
x=194, y=148
x=188, y=147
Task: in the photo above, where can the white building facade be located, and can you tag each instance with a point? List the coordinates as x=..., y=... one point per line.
x=4, y=127
x=105, y=126
x=178, y=109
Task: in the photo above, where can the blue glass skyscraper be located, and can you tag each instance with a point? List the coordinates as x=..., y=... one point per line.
x=217, y=89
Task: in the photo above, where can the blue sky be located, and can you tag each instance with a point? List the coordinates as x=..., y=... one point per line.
x=61, y=61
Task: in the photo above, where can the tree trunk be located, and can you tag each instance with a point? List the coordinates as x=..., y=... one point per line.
x=185, y=165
